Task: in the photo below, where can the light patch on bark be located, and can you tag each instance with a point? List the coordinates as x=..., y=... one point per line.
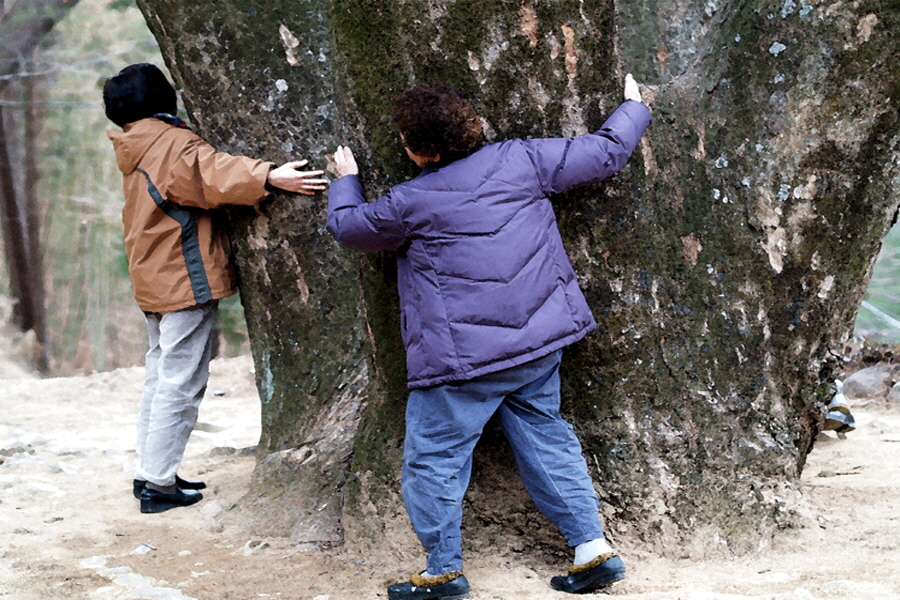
x=258, y=237
x=808, y=190
x=302, y=287
x=265, y=379
x=571, y=51
x=816, y=261
x=776, y=247
x=436, y=10
x=555, y=48
x=763, y=317
x=474, y=62
x=654, y=288
x=866, y=27
x=497, y=45
x=691, y=248
x=489, y=133
x=699, y=152
x=651, y=169
x=769, y=216
x=805, y=135
x=528, y=23
x=803, y=213
x=662, y=54
x=290, y=42
x=538, y=94
x=573, y=121
x=668, y=482
x=825, y=287
x=258, y=242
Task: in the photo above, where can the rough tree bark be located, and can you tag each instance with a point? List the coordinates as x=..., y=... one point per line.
x=725, y=265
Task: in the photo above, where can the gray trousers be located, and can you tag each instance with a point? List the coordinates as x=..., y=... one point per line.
x=177, y=371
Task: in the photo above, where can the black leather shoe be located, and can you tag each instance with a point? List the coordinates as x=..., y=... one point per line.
x=602, y=571
x=157, y=502
x=449, y=586
x=185, y=484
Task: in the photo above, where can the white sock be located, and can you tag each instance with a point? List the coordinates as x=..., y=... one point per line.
x=588, y=551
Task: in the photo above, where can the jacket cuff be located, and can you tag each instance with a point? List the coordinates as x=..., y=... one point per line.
x=346, y=191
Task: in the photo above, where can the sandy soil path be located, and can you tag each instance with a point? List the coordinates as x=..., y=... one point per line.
x=70, y=528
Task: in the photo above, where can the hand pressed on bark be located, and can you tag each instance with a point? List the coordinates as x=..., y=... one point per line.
x=344, y=163
x=632, y=92
x=288, y=177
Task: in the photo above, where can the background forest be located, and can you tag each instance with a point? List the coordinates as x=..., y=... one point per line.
x=92, y=322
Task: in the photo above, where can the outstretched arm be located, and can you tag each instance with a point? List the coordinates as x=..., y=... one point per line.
x=200, y=176
x=565, y=163
x=354, y=222
x=288, y=177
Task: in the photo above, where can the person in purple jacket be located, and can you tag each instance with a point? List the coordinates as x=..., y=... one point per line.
x=488, y=300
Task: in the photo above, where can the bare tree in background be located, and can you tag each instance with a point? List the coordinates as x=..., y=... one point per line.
x=23, y=25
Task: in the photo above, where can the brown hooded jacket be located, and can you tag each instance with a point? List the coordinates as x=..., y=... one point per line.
x=177, y=255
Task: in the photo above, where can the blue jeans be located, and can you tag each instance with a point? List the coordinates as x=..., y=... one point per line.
x=443, y=424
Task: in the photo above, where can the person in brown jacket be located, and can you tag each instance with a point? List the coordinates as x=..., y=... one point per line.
x=178, y=260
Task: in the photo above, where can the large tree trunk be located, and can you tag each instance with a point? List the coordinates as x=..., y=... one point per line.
x=724, y=265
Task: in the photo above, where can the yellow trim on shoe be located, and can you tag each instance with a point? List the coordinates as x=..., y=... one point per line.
x=417, y=580
x=597, y=560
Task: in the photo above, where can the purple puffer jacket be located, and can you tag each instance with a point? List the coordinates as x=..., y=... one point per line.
x=484, y=280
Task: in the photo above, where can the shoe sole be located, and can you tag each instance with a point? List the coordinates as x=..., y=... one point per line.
x=138, y=486
x=158, y=507
x=587, y=588
x=580, y=584
x=407, y=591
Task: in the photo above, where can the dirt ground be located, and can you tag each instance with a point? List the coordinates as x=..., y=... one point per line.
x=70, y=528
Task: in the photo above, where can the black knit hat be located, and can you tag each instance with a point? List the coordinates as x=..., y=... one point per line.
x=138, y=92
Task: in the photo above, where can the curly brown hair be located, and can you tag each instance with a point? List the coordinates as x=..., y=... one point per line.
x=434, y=119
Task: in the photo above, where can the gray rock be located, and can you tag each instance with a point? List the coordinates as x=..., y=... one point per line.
x=157, y=593
x=894, y=394
x=93, y=562
x=11, y=448
x=253, y=547
x=144, y=548
x=134, y=580
x=115, y=572
x=871, y=382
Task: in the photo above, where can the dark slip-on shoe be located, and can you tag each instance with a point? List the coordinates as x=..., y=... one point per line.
x=185, y=484
x=602, y=571
x=448, y=586
x=153, y=501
